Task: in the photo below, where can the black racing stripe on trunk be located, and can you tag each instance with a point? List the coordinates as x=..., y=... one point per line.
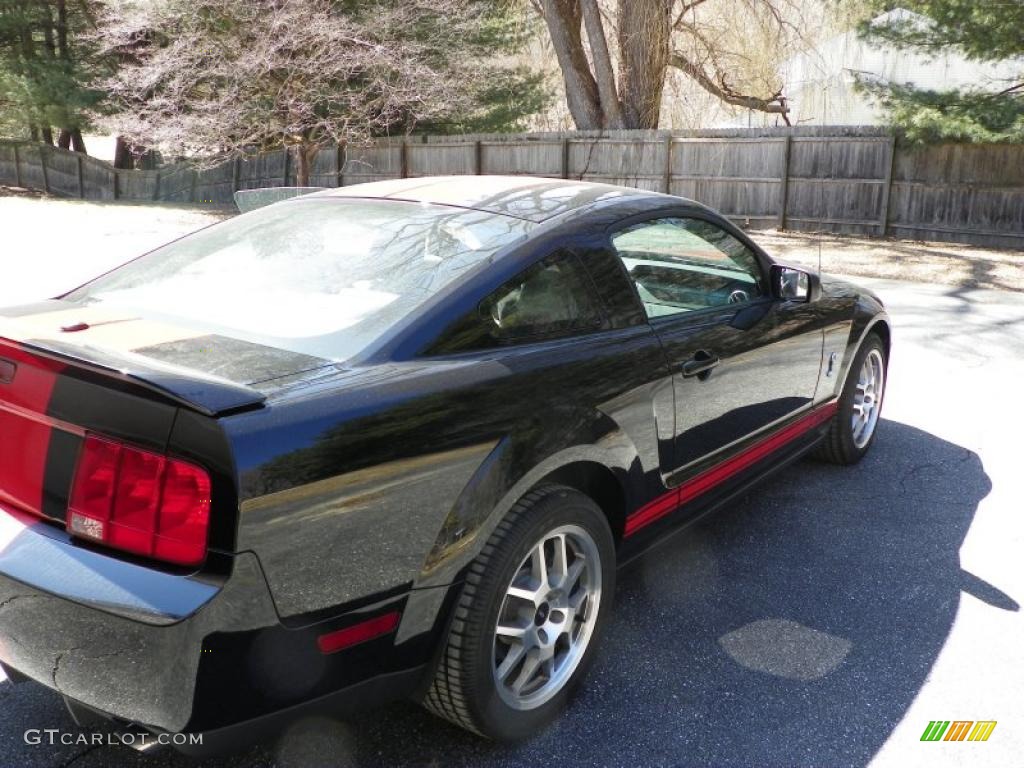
x=61, y=458
x=243, y=362
x=100, y=404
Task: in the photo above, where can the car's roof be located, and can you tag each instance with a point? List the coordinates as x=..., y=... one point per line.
x=526, y=197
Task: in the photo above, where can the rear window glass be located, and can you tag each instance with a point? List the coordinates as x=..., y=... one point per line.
x=322, y=277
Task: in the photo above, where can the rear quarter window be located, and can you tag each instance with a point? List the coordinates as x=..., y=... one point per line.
x=554, y=298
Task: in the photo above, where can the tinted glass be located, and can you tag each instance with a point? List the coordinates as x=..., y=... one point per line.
x=321, y=277
x=554, y=298
x=680, y=265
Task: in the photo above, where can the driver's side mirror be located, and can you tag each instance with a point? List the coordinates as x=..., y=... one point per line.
x=792, y=284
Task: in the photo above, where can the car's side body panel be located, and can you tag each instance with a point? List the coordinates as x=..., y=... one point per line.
x=380, y=488
x=768, y=371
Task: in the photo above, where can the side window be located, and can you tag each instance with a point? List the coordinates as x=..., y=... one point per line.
x=680, y=265
x=552, y=299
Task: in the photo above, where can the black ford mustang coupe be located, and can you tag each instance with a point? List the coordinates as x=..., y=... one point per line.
x=392, y=440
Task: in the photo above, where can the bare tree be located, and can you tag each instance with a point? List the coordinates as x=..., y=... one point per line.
x=225, y=76
x=653, y=37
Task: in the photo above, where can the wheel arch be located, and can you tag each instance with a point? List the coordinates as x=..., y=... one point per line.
x=600, y=484
x=608, y=473
x=866, y=320
x=881, y=327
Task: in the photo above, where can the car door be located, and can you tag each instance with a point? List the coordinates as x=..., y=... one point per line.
x=741, y=359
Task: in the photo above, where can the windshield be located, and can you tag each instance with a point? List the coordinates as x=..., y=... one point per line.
x=322, y=277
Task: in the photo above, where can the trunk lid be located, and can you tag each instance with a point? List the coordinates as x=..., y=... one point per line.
x=192, y=367
x=68, y=370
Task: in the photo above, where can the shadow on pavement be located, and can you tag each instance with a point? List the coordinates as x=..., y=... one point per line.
x=794, y=628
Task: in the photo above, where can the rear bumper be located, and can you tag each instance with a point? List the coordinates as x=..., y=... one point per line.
x=191, y=654
x=122, y=638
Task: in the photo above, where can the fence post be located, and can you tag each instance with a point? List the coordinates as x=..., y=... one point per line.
x=113, y=182
x=81, y=180
x=565, y=158
x=784, y=185
x=287, y=161
x=477, y=157
x=339, y=164
x=17, y=168
x=668, y=164
x=883, y=219
x=403, y=158
x=234, y=174
x=42, y=164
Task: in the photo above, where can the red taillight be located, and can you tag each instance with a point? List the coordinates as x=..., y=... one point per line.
x=140, y=502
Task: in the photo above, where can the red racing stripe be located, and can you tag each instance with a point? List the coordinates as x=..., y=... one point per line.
x=718, y=474
x=24, y=427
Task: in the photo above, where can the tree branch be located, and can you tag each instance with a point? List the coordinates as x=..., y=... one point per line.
x=776, y=104
x=1009, y=90
x=687, y=7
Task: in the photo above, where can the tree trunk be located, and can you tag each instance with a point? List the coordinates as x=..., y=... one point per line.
x=305, y=155
x=645, y=31
x=71, y=138
x=122, y=154
x=46, y=135
x=77, y=142
x=62, y=30
x=581, y=94
x=146, y=159
x=603, y=71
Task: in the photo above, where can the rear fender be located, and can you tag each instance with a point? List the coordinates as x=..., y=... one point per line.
x=516, y=465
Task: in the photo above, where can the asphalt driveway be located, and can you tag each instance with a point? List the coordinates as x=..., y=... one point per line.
x=825, y=619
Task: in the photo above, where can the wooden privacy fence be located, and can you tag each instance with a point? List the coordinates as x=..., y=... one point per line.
x=841, y=180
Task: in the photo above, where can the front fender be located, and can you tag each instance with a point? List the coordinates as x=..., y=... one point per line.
x=864, y=315
x=868, y=316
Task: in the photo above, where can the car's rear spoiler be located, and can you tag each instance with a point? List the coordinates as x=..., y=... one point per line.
x=198, y=391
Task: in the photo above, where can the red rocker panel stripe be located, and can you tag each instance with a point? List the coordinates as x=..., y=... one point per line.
x=716, y=475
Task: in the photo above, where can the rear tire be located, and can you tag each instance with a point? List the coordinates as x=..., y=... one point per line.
x=529, y=618
x=852, y=430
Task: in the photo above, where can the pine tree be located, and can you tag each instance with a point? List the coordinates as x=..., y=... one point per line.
x=48, y=70
x=981, y=30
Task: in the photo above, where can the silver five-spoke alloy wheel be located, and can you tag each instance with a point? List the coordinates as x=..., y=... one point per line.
x=547, y=617
x=867, y=399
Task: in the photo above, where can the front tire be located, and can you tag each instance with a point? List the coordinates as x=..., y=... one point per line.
x=529, y=618
x=852, y=430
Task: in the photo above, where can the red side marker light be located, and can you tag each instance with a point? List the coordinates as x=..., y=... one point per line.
x=341, y=639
